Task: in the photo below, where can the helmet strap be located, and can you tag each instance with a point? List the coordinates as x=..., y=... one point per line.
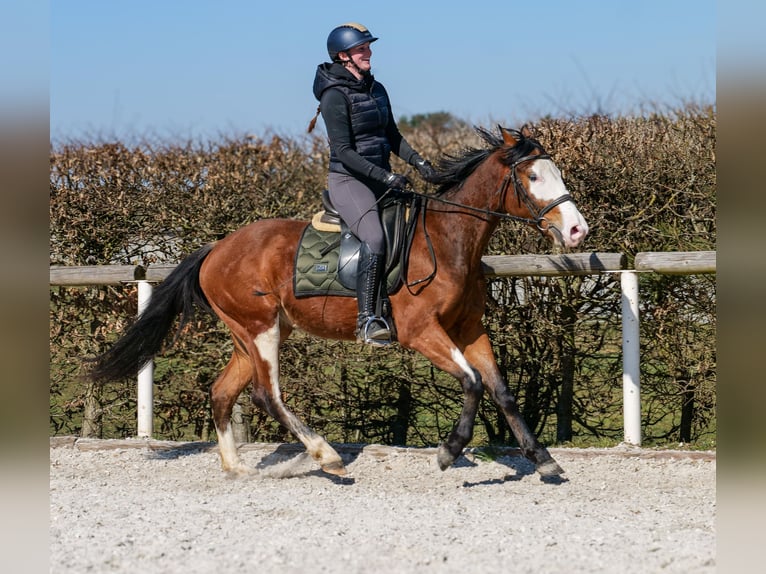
x=347, y=62
x=353, y=64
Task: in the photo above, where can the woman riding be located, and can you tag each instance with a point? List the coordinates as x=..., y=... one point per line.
x=362, y=134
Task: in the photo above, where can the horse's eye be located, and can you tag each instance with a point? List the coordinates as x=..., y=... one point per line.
x=532, y=177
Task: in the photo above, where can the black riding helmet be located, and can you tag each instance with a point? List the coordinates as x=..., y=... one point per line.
x=345, y=37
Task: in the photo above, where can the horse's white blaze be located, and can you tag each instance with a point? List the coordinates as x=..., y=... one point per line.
x=458, y=357
x=549, y=186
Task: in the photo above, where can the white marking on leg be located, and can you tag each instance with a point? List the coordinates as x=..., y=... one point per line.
x=267, y=344
x=320, y=450
x=227, y=448
x=458, y=357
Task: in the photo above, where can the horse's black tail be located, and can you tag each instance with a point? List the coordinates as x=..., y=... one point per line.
x=179, y=293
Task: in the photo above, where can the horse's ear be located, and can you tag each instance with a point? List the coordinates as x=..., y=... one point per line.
x=508, y=137
x=525, y=131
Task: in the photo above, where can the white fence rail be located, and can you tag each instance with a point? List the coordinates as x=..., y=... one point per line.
x=676, y=263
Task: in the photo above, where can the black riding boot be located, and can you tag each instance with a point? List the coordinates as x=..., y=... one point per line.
x=371, y=328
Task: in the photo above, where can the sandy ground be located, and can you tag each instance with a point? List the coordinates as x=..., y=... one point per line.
x=151, y=507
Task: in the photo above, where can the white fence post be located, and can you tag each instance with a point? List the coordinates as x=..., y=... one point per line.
x=631, y=381
x=145, y=393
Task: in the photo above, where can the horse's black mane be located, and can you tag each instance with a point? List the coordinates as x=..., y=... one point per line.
x=454, y=169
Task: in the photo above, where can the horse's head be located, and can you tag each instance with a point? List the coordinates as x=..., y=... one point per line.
x=534, y=191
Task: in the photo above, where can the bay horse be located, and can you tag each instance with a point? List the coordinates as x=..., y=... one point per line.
x=246, y=280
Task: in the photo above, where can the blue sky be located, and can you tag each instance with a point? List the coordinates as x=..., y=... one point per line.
x=198, y=68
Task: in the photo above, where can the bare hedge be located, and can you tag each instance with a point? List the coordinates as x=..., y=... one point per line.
x=644, y=183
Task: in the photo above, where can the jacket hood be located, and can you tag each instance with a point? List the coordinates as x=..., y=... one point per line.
x=330, y=75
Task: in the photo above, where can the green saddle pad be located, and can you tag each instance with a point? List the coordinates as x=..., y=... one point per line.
x=316, y=266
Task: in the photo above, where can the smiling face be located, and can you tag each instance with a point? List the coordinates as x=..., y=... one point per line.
x=357, y=59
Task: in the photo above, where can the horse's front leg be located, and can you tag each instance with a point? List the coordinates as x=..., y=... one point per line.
x=439, y=348
x=479, y=353
x=462, y=433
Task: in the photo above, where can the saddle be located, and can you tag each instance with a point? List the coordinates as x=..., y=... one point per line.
x=328, y=254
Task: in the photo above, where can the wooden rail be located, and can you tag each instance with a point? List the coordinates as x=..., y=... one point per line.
x=494, y=266
x=82, y=276
x=677, y=263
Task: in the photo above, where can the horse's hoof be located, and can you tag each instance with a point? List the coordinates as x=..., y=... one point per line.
x=444, y=458
x=336, y=467
x=549, y=468
x=239, y=471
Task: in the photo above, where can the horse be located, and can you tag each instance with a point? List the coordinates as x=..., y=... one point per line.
x=245, y=279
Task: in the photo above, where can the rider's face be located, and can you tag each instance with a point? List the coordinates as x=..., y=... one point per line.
x=360, y=55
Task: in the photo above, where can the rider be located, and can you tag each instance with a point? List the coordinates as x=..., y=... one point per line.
x=362, y=134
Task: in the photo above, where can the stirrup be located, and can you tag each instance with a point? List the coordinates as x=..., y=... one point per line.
x=363, y=336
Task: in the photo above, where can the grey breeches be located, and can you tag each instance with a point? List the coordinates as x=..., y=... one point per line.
x=358, y=207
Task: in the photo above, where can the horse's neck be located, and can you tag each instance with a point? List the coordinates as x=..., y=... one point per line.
x=481, y=190
x=468, y=230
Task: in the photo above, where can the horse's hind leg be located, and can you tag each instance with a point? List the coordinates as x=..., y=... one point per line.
x=223, y=394
x=267, y=395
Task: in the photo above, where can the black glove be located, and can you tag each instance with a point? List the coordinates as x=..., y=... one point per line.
x=397, y=181
x=426, y=170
